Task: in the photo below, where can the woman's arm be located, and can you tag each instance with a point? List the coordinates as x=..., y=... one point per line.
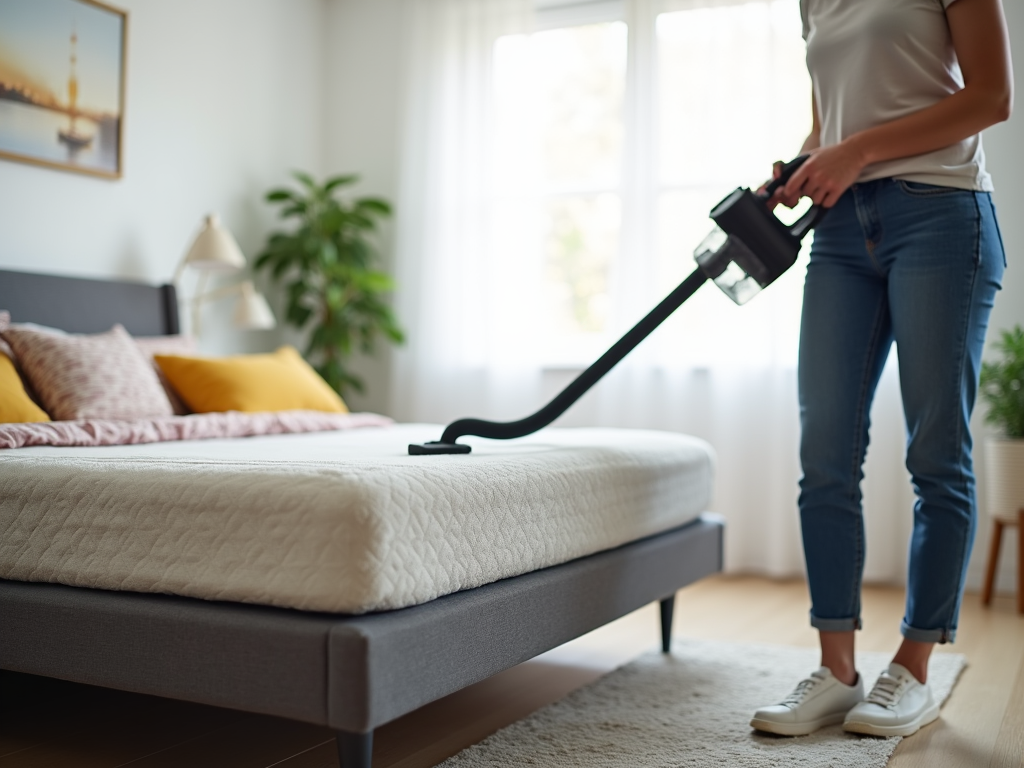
x=813, y=140
x=982, y=47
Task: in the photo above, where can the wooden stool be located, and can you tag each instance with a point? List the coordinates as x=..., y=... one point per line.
x=1001, y=523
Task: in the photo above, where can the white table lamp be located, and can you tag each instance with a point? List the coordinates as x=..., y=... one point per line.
x=214, y=251
x=252, y=310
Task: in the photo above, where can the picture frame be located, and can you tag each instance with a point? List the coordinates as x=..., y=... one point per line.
x=62, y=85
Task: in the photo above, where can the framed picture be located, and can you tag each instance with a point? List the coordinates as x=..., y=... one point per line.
x=62, y=76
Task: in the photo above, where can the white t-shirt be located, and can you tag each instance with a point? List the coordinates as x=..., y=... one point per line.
x=873, y=61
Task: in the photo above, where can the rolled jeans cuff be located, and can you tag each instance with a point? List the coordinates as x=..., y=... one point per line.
x=927, y=635
x=836, y=625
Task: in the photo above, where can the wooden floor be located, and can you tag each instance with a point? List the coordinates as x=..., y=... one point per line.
x=51, y=724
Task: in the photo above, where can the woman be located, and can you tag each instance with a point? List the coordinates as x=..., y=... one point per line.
x=911, y=253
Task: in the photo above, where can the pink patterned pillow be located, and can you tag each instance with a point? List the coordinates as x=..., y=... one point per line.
x=96, y=376
x=180, y=345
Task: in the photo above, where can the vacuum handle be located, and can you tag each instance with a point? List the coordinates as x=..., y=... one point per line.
x=808, y=221
x=814, y=214
x=787, y=171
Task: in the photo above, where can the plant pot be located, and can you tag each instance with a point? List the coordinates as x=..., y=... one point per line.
x=1004, y=478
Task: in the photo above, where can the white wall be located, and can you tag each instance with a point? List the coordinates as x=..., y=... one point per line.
x=364, y=72
x=224, y=97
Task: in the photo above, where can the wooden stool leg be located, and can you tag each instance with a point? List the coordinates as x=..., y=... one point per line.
x=1020, y=560
x=993, y=561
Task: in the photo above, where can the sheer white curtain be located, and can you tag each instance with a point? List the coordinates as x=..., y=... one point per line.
x=466, y=286
x=713, y=92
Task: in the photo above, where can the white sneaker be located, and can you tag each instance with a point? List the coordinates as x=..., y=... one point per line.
x=898, y=705
x=818, y=701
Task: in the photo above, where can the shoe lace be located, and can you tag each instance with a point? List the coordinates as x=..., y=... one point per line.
x=887, y=691
x=802, y=689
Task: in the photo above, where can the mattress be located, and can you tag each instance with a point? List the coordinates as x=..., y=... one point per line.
x=340, y=521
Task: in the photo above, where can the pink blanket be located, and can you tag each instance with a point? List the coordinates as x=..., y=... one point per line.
x=197, y=426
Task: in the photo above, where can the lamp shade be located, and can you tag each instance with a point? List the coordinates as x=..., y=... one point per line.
x=251, y=310
x=214, y=249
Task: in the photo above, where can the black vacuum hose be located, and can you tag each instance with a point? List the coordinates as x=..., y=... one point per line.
x=563, y=400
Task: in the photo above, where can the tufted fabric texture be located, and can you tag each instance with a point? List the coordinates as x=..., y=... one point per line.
x=692, y=710
x=338, y=521
x=97, y=376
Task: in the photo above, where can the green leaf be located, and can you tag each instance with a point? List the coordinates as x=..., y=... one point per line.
x=299, y=316
x=280, y=268
x=328, y=253
x=360, y=220
x=340, y=181
x=306, y=179
x=334, y=297
x=374, y=204
x=296, y=209
x=277, y=195
x=376, y=282
x=332, y=220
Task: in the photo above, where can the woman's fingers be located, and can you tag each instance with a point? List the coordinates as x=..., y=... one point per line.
x=776, y=172
x=810, y=181
x=796, y=187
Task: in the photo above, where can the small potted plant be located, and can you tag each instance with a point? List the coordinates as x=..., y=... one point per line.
x=328, y=265
x=1002, y=389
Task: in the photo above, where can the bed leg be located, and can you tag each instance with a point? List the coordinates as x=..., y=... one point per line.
x=355, y=750
x=668, y=606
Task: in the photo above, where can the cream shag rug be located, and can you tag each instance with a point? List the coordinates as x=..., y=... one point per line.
x=691, y=709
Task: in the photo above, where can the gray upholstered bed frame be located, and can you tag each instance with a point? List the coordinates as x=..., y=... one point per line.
x=351, y=673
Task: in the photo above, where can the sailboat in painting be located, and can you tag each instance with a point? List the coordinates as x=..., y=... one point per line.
x=71, y=137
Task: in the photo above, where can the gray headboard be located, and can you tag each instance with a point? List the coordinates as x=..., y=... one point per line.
x=80, y=305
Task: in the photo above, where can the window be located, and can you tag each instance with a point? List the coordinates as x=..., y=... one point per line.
x=717, y=91
x=571, y=81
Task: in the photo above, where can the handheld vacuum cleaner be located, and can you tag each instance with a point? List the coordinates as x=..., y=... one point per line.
x=746, y=252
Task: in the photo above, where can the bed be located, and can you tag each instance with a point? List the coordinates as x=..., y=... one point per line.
x=473, y=590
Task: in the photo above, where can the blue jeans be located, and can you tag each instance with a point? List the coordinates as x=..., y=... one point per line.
x=919, y=265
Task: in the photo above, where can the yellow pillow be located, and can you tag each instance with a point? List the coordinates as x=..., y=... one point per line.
x=15, y=404
x=279, y=381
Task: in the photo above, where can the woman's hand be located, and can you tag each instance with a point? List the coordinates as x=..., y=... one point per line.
x=823, y=177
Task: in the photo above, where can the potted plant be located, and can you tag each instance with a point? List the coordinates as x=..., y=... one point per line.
x=328, y=265
x=1002, y=389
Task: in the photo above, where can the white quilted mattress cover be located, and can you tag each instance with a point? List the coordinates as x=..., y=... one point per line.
x=340, y=521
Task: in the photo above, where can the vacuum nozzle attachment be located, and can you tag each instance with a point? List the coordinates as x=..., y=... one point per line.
x=436, y=447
